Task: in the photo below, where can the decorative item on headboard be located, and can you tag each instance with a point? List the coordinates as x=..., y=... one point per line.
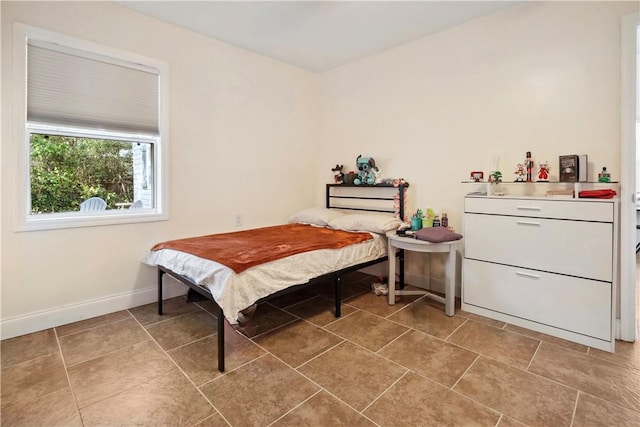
x=366, y=167
x=338, y=176
x=397, y=204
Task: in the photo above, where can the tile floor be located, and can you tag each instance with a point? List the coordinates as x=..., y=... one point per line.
x=378, y=365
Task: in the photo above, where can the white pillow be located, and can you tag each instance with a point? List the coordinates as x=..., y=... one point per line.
x=315, y=216
x=374, y=223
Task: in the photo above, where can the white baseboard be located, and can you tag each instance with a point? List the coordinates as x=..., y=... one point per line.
x=619, y=334
x=45, y=319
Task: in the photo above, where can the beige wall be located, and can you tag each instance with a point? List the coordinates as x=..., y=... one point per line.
x=541, y=77
x=242, y=138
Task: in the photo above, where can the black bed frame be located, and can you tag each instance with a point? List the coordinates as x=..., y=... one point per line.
x=336, y=276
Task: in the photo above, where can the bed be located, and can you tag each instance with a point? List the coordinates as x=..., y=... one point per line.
x=237, y=270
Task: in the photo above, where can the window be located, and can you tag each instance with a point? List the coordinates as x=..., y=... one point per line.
x=93, y=129
x=67, y=168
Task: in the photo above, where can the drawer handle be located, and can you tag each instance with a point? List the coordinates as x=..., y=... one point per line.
x=534, y=276
x=528, y=208
x=528, y=223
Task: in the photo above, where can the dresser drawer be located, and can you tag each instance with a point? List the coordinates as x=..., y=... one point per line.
x=577, y=248
x=584, y=210
x=577, y=305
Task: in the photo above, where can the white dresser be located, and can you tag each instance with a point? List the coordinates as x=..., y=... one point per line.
x=543, y=264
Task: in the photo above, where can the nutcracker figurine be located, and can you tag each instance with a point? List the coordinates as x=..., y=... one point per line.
x=529, y=166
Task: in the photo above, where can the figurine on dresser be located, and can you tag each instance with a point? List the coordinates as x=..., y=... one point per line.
x=519, y=174
x=528, y=164
x=543, y=171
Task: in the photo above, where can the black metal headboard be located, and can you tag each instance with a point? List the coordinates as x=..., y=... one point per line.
x=369, y=198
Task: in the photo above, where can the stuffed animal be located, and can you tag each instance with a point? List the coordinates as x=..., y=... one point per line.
x=366, y=166
x=338, y=176
x=376, y=175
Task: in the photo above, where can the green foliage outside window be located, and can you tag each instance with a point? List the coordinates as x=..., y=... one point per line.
x=65, y=171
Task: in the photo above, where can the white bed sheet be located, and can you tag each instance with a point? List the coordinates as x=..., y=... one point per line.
x=235, y=292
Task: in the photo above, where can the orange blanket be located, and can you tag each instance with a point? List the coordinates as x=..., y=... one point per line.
x=244, y=249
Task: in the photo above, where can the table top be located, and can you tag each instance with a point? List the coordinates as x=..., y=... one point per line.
x=413, y=244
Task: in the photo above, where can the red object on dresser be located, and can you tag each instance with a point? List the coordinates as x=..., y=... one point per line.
x=597, y=194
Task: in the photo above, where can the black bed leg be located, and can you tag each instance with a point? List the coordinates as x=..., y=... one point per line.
x=401, y=269
x=220, y=340
x=160, y=274
x=338, y=294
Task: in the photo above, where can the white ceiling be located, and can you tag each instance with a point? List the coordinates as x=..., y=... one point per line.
x=316, y=35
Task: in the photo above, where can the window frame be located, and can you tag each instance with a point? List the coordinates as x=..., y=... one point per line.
x=25, y=221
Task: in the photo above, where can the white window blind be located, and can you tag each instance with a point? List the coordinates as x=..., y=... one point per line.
x=70, y=87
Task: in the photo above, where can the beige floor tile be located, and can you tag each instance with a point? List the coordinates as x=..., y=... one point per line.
x=297, y=342
x=368, y=330
x=86, y=345
x=379, y=304
x=457, y=304
x=93, y=322
x=597, y=377
x=429, y=356
x=30, y=380
x=214, y=420
x=518, y=394
x=509, y=422
x=27, y=347
x=107, y=375
x=353, y=374
x=323, y=410
x=481, y=319
x=167, y=400
x=206, y=305
x=424, y=317
x=508, y=347
x=172, y=307
x=118, y=375
x=592, y=411
x=265, y=318
x=57, y=409
x=259, y=392
x=349, y=289
x=417, y=401
x=626, y=354
x=319, y=310
x=547, y=338
x=199, y=359
x=184, y=329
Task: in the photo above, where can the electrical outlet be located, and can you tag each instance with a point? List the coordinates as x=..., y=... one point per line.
x=237, y=220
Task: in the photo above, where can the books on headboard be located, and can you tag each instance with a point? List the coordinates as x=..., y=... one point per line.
x=573, y=168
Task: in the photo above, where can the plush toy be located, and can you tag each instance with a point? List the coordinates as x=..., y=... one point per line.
x=376, y=175
x=338, y=176
x=366, y=166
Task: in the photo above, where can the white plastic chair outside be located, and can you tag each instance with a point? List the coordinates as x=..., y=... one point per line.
x=93, y=204
x=136, y=205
